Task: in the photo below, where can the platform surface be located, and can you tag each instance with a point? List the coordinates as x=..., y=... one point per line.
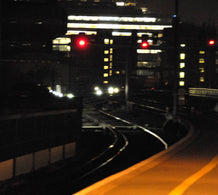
x=188, y=167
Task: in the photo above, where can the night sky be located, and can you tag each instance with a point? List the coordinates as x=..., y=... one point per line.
x=193, y=11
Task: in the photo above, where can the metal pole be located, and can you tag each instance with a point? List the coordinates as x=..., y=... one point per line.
x=175, y=25
x=129, y=65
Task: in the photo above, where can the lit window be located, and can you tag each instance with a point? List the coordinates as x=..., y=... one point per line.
x=182, y=75
x=105, y=82
x=111, y=41
x=160, y=35
x=121, y=34
x=117, y=72
x=182, y=65
x=106, y=59
x=201, y=61
x=105, y=67
x=111, y=65
x=201, y=79
x=201, y=52
x=121, y=3
x=181, y=83
x=106, y=41
x=111, y=50
x=182, y=56
x=105, y=74
x=61, y=48
x=106, y=52
x=110, y=72
x=201, y=70
x=62, y=40
x=111, y=57
x=182, y=45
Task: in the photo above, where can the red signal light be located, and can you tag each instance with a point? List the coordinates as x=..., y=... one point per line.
x=211, y=42
x=81, y=42
x=144, y=44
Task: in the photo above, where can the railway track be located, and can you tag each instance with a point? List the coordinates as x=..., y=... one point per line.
x=111, y=145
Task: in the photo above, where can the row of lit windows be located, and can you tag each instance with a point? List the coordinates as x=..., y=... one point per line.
x=146, y=64
x=108, y=58
x=182, y=66
x=62, y=40
x=201, y=69
x=150, y=51
x=114, y=33
x=112, y=18
x=76, y=32
x=65, y=48
x=108, y=41
x=117, y=26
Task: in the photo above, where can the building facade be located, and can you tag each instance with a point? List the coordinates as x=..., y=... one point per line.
x=115, y=34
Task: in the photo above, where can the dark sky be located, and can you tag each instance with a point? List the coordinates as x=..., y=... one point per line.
x=194, y=11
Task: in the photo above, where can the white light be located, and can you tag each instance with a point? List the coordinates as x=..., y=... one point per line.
x=99, y=92
x=70, y=95
x=110, y=90
x=116, y=90
x=96, y=88
x=60, y=95
x=121, y=3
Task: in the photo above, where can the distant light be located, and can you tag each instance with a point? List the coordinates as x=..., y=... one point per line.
x=81, y=42
x=174, y=16
x=96, y=88
x=211, y=42
x=144, y=44
x=99, y=92
x=110, y=90
x=116, y=90
x=70, y=95
x=121, y=3
x=60, y=95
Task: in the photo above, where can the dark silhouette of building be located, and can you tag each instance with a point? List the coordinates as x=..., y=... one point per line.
x=195, y=60
x=27, y=31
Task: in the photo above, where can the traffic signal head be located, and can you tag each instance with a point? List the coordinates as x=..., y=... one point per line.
x=211, y=42
x=144, y=45
x=81, y=42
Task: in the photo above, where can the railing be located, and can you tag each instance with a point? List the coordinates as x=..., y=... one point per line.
x=203, y=92
x=31, y=141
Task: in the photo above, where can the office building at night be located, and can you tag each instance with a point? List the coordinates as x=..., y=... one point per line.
x=115, y=34
x=27, y=29
x=196, y=57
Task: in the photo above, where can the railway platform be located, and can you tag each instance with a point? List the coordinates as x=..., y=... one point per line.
x=187, y=167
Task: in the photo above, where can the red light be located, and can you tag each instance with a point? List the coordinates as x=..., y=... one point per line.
x=211, y=42
x=81, y=42
x=144, y=44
